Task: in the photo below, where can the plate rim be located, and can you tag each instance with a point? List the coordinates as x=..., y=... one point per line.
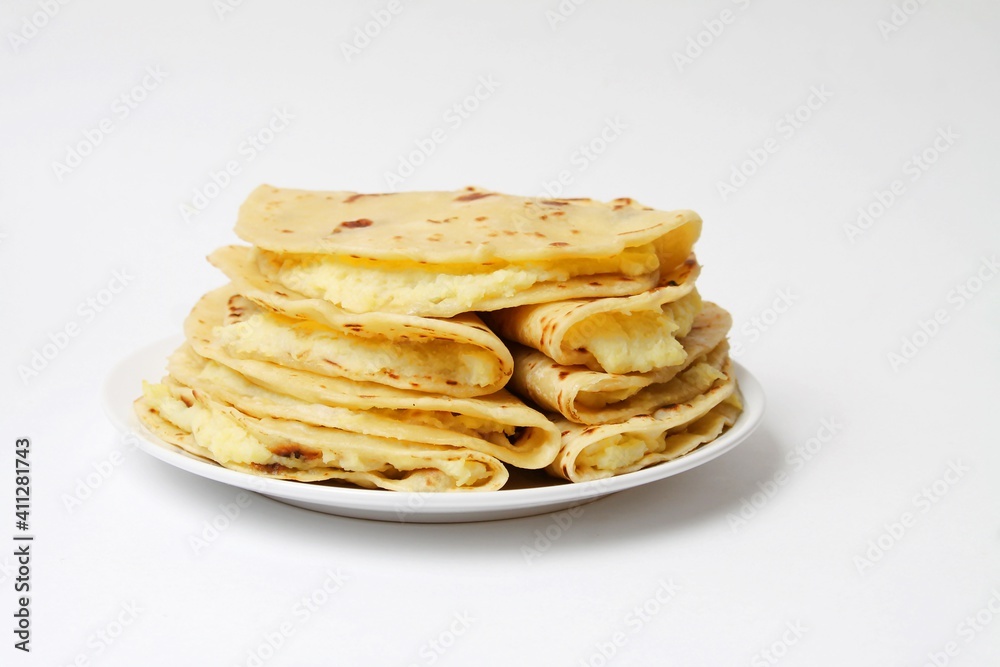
x=424, y=503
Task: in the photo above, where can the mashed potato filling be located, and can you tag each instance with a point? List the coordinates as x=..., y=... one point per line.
x=637, y=342
x=618, y=452
x=229, y=441
x=310, y=346
x=691, y=382
x=221, y=435
x=362, y=285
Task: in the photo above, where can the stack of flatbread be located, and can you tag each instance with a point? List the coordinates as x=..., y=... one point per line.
x=370, y=338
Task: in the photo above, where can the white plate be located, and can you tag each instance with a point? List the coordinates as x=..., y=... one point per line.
x=527, y=493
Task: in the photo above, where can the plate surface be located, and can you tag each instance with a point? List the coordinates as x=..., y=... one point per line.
x=526, y=494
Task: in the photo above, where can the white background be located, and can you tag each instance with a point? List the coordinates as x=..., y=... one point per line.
x=794, y=559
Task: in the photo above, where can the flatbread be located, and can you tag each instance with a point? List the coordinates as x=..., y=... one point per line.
x=601, y=451
x=464, y=226
x=285, y=449
x=462, y=340
x=615, y=335
x=429, y=361
x=500, y=425
x=438, y=254
x=591, y=397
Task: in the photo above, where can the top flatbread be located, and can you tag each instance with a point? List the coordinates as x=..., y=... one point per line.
x=464, y=226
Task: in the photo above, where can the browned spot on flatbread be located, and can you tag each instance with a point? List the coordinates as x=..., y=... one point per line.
x=554, y=202
x=563, y=375
x=472, y=196
x=292, y=450
x=286, y=231
x=394, y=376
x=558, y=244
x=357, y=196
x=186, y=401
x=451, y=382
x=354, y=224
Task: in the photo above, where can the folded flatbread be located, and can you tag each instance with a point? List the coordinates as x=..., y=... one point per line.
x=592, y=397
x=499, y=425
x=288, y=449
x=444, y=253
x=630, y=334
x=458, y=357
x=600, y=451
